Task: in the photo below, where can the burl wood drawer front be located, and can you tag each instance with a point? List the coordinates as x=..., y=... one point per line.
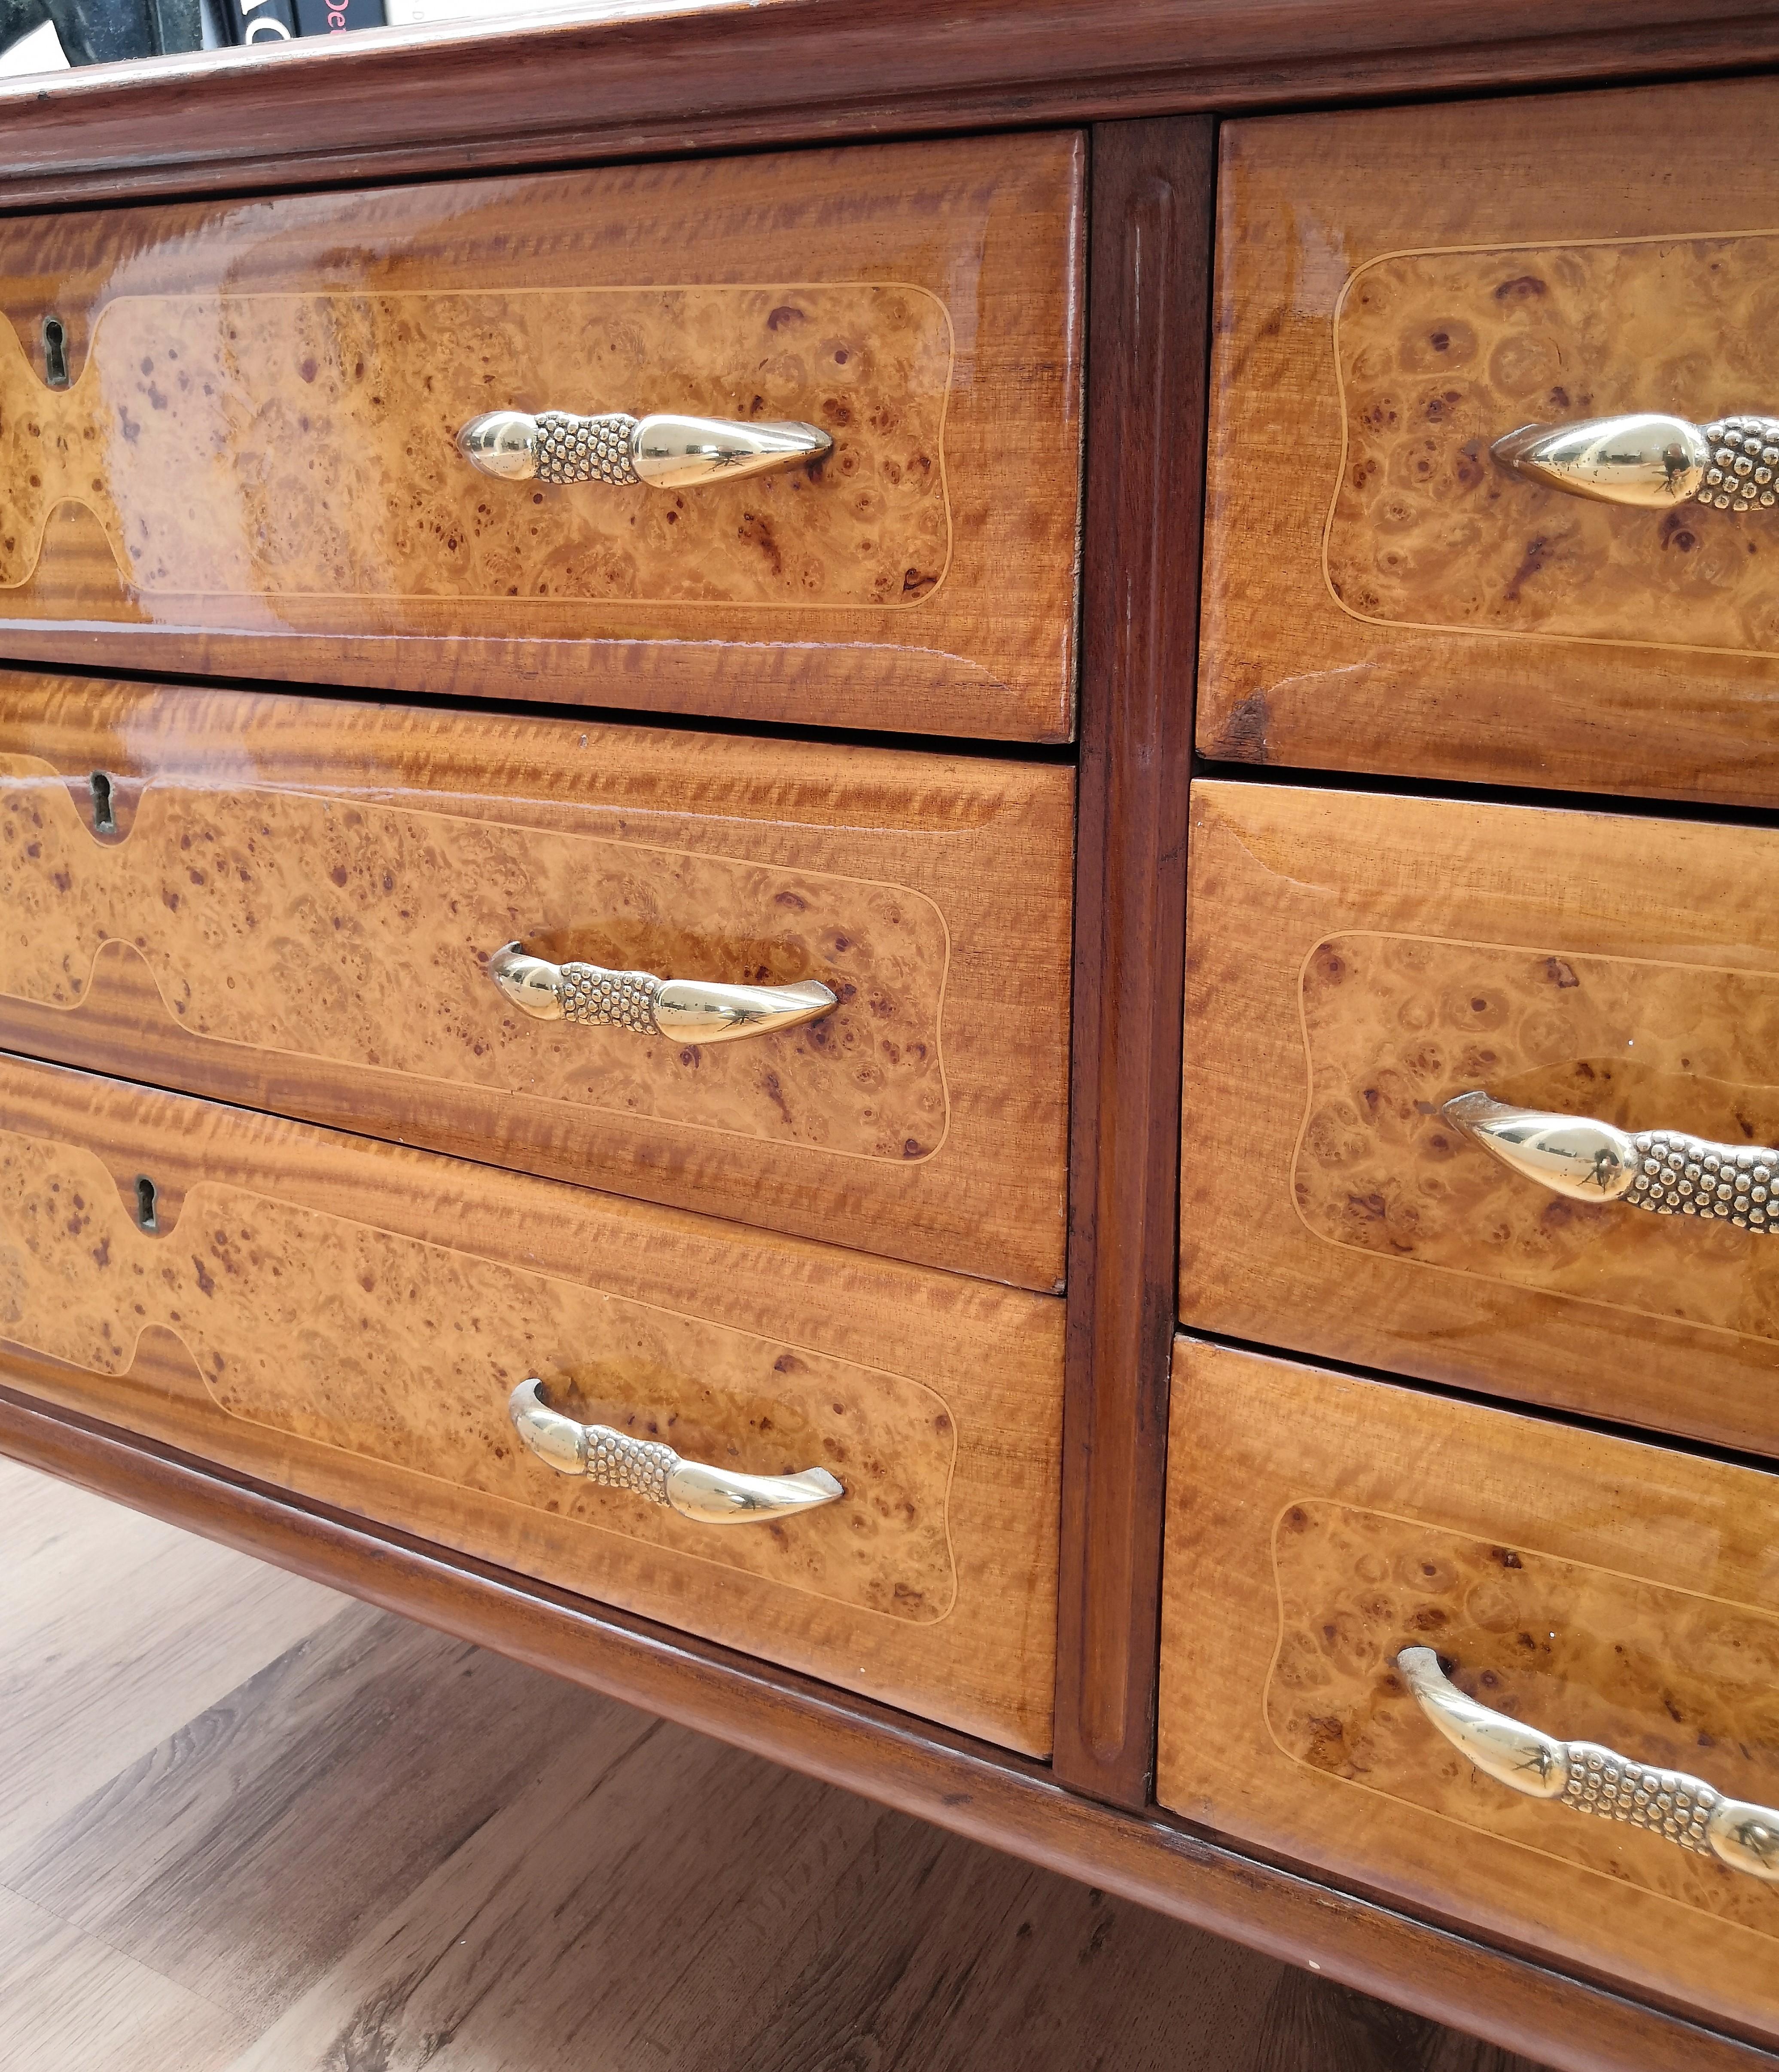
x=1355, y=964
x=292, y=903
x=1398, y=291
x=348, y=1320
x=1595, y=1590
x=251, y=464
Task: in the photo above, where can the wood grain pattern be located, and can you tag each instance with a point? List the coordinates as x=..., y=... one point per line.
x=1572, y=2023
x=1605, y=1590
x=389, y=1845
x=1526, y=1632
x=1356, y=961
x=258, y=438
x=145, y=1656
x=1397, y=290
x=698, y=80
x=347, y=1320
x=1391, y=1022
x=1149, y=291
x=1437, y=353
x=298, y=908
x=303, y=446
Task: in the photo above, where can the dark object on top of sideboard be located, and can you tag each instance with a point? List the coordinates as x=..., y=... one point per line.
x=100, y=31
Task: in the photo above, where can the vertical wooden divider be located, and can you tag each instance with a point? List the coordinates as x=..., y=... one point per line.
x=1149, y=259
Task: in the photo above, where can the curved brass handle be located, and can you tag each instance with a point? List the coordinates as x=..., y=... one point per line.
x=1591, y=1779
x=668, y=451
x=686, y=1010
x=1663, y=1169
x=613, y=1460
x=1652, y=460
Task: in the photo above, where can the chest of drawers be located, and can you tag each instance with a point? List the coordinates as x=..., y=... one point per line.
x=627, y=1025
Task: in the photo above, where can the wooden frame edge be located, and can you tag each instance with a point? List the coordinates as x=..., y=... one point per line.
x=992, y=1796
x=802, y=71
x=1151, y=221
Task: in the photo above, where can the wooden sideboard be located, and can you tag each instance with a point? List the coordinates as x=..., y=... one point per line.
x=549, y=1003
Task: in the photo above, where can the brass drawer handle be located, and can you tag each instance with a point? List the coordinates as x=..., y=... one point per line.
x=613, y=1460
x=1652, y=460
x=1663, y=1169
x=686, y=1010
x=667, y=451
x=1592, y=1779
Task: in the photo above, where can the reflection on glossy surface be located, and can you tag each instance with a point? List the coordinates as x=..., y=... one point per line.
x=1426, y=530
x=1381, y=594
x=1357, y=962
x=292, y=902
x=1638, y=1042
x=1587, y=1592
x=272, y=918
x=1647, y=460
x=259, y=441
x=381, y=1345
x=649, y=1469
x=666, y=452
x=1587, y=1778
x=279, y=445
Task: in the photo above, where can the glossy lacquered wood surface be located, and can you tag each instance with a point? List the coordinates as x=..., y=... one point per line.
x=698, y=79
x=1599, y=1589
x=1397, y=291
x=956, y=1783
x=254, y=466
x=1354, y=962
x=347, y=1320
x=1150, y=285
x=296, y=907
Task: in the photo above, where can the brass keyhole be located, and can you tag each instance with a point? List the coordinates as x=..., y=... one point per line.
x=55, y=352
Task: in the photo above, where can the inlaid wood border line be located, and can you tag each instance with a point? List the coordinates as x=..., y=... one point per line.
x=957, y=1783
x=717, y=77
x=1149, y=285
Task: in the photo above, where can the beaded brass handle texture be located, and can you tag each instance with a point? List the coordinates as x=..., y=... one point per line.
x=1664, y=1170
x=685, y=1010
x=647, y=1469
x=667, y=452
x=1733, y=463
x=1588, y=1778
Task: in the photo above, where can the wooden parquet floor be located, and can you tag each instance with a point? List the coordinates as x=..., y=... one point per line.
x=247, y=1825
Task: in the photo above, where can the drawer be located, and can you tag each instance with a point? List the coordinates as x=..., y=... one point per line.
x=293, y=904
x=349, y=1320
x=1590, y=1589
x=1357, y=963
x=1397, y=292
x=229, y=436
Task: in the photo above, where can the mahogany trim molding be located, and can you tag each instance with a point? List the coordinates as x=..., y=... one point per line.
x=734, y=75
x=1149, y=259
x=1002, y=1800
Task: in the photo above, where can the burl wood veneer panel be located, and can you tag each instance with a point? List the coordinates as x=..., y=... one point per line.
x=298, y=906
x=1398, y=289
x=346, y=1319
x=1354, y=962
x=1599, y=1589
x=254, y=468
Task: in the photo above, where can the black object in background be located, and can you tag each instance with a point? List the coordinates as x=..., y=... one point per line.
x=333, y=18
x=100, y=31
x=258, y=21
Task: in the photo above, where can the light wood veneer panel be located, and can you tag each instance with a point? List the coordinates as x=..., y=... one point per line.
x=1353, y=963
x=1599, y=1589
x=346, y=1320
x=254, y=468
x=1397, y=290
x=298, y=908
